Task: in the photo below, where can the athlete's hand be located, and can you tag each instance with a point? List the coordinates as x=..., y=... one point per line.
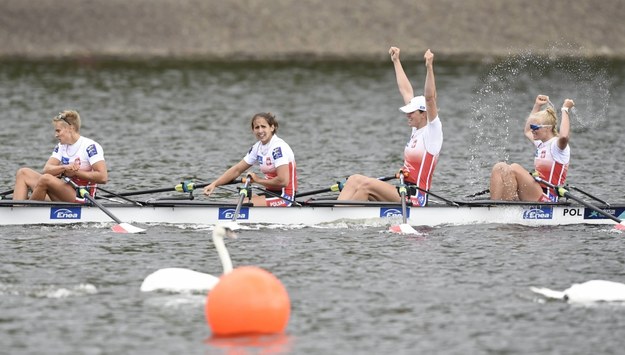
x=542, y=100
x=208, y=190
x=429, y=58
x=394, y=52
x=253, y=177
x=568, y=103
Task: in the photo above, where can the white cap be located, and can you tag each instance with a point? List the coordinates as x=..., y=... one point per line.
x=417, y=103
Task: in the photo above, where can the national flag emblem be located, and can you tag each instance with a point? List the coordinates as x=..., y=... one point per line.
x=277, y=153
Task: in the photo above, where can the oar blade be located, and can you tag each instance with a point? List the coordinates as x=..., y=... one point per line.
x=403, y=228
x=127, y=228
x=620, y=226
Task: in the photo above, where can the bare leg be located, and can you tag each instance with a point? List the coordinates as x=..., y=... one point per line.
x=259, y=200
x=528, y=188
x=362, y=188
x=351, y=187
x=54, y=187
x=503, y=183
x=500, y=183
x=25, y=180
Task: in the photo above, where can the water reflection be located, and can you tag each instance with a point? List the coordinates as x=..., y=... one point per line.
x=253, y=344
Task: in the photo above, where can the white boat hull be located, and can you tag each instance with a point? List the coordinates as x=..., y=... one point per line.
x=192, y=212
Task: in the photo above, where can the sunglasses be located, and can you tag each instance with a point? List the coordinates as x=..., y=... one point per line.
x=535, y=127
x=61, y=116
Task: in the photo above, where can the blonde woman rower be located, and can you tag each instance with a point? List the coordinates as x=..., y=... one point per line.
x=77, y=157
x=511, y=182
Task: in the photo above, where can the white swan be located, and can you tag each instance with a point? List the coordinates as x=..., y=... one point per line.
x=175, y=279
x=589, y=291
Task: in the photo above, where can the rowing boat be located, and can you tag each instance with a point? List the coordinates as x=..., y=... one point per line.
x=314, y=212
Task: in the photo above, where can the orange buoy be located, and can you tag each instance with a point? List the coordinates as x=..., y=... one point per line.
x=248, y=300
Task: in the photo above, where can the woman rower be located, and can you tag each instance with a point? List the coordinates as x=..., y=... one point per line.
x=421, y=151
x=77, y=157
x=276, y=161
x=512, y=182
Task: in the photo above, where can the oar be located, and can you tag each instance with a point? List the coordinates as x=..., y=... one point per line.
x=448, y=201
x=186, y=186
x=483, y=192
x=111, y=193
x=120, y=227
x=565, y=193
x=404, y=228
x=589, y=195
x=5, y=193
x=243, y=193
x=336, y=187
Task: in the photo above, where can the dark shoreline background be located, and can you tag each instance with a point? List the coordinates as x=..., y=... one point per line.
x=281, y=30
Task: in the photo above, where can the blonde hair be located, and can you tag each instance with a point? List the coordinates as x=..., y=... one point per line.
x=549, y=117
x=69, y=117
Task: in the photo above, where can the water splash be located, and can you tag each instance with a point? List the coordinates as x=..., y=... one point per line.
x=506, y=94
x=48, y=291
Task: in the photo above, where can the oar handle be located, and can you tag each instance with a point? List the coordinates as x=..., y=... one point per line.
x=402, y=195
x=561, y=191
x=189, y=186
x=85, y=194
x=243, y=193
x=334, y=188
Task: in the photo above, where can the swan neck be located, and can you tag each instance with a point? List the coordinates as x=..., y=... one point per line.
x=224, y=256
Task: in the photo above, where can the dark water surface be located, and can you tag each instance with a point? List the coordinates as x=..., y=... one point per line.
x=453, y=290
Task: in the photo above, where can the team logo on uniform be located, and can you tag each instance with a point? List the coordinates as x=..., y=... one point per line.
x=276, y=153
x=65, y=213
x=64, y=160
x=421, y=198
x=92, y=150
x=535, y=212
x=56, y=149
x=228, y=213
x=259, y=159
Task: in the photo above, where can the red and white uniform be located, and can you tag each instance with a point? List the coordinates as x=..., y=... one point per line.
x=269, y=157
x=420, y=158
x=552, y=164
x=87, y=152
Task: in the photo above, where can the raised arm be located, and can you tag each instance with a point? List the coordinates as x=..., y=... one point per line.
x=540, y=101
x=565, y=125
x=403, y=84
x=430, y=86
x=538, y=104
